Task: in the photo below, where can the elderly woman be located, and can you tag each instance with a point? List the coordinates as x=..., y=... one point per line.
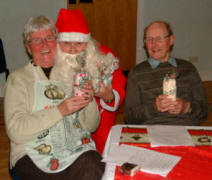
x=49, y=131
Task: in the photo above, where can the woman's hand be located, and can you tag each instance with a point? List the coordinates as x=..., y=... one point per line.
x=88, y=91
x=72, y=104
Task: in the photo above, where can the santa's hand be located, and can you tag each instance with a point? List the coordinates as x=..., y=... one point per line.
x=72, y=104
x=105, y=92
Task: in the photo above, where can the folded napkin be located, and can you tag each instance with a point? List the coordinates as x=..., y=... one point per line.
x=164, y=135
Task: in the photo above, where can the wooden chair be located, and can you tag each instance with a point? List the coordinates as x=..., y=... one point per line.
x=3, y=65
x=13, y=175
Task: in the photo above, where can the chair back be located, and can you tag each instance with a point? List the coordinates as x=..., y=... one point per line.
x=3, y=65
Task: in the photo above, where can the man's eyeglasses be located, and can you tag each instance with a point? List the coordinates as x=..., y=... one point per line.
x=38, y=41
x=156, y=39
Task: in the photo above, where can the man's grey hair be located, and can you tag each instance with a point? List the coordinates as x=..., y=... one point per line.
x=167, y=26
x=38, y=23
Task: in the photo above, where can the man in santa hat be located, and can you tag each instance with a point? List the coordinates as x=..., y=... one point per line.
x=81, y=60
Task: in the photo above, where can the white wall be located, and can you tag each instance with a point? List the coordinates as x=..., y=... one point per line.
x=13, y=16
x=191, y=21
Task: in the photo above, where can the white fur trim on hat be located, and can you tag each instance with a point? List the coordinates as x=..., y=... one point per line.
x=74, y=37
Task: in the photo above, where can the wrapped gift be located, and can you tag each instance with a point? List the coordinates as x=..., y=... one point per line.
x=169, y=87
x=81, y=78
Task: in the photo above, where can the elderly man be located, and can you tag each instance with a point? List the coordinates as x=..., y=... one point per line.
x=146, y=102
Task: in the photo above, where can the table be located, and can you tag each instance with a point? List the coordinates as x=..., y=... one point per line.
x=205, y=152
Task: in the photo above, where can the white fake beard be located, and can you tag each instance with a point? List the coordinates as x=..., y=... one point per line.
x=65, y=69
x=66, y=66
x=67, y=59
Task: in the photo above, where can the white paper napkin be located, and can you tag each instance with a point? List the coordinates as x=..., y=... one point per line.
x=161, y=135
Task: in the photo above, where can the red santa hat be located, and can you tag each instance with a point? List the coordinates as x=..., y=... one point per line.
x=72, y=26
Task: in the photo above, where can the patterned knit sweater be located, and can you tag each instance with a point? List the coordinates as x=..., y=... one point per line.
x=145, y=84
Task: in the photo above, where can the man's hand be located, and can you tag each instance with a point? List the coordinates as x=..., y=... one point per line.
x=179, y=106
x=105, y=92
x=164, y=103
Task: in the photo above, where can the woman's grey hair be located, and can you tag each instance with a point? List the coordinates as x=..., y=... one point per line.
x=38, y=23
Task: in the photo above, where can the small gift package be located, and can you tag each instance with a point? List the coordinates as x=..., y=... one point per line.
x=129, y=169
x=81, y=78
x=169, y=86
